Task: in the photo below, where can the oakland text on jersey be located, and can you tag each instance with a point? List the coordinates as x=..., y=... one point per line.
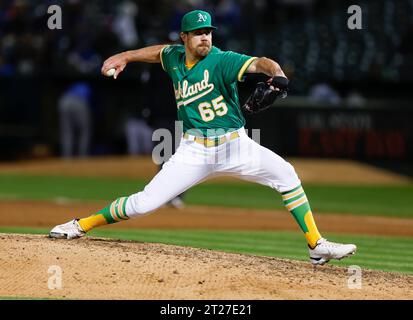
x=202, y=87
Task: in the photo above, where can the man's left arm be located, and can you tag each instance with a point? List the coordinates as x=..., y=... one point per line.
x=266, y=66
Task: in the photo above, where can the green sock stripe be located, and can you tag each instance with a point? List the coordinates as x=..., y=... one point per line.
x=118, y=211
x=302, y=194
x=106, y=214
x=299, y=214
x=292, y=190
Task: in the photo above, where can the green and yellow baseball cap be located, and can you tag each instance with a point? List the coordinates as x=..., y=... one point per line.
x=196, y=19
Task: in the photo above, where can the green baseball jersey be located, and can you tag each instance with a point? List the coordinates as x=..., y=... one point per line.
x=207, y=95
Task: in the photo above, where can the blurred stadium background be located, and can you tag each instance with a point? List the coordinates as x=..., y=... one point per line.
x=350, y=89
x=348, y=116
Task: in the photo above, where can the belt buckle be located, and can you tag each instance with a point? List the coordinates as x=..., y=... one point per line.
x=211, y=142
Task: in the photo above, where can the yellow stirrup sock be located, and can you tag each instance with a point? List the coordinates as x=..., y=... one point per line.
x=296, y=202
x=113, y=213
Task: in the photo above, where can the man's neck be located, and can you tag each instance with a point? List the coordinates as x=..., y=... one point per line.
x=190, y=59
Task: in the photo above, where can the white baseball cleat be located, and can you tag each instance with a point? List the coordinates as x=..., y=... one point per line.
x=326, y=250
x=69, y=230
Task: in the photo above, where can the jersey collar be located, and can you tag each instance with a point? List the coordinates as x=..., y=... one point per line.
x=186, y=71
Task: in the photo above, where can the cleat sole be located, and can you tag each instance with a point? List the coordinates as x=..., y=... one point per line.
x=57, y=235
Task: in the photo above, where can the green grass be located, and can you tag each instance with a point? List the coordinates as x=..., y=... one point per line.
x=45, y=187
x=352, y=199
x=364, y=200
x=381, y=253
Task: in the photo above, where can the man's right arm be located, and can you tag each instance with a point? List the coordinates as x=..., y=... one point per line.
x=119, y=61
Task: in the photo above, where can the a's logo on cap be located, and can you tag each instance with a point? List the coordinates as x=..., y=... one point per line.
x=201, y=17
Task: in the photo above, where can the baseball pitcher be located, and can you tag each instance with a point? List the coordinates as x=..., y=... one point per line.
x=214, y=141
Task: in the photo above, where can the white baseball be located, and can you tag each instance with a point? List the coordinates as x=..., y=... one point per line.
x=110, y=72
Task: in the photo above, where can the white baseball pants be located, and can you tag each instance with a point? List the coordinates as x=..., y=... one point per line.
x=193, y=163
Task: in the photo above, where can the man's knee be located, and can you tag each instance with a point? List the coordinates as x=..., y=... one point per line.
x=140, y=204
x=290, y=178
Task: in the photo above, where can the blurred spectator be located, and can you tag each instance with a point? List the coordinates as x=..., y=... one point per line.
x=139, y=134
x=83, y=58
x=324, y=93
x=75, y=120
x=124, y=25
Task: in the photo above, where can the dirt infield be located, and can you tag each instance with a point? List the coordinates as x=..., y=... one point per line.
x=48, y=214
x=93, y=268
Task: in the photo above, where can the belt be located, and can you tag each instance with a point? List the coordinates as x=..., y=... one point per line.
x=213, y=142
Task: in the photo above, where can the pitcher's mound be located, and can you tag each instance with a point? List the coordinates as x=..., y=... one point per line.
x=96, y=268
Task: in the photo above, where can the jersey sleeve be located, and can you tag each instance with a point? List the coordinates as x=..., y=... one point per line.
x=167, y=55
x=234, y=65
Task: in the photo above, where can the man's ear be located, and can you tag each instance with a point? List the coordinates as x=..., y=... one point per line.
x=183, y=36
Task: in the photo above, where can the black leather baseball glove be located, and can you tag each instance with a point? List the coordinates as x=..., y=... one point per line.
x=265, y=94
